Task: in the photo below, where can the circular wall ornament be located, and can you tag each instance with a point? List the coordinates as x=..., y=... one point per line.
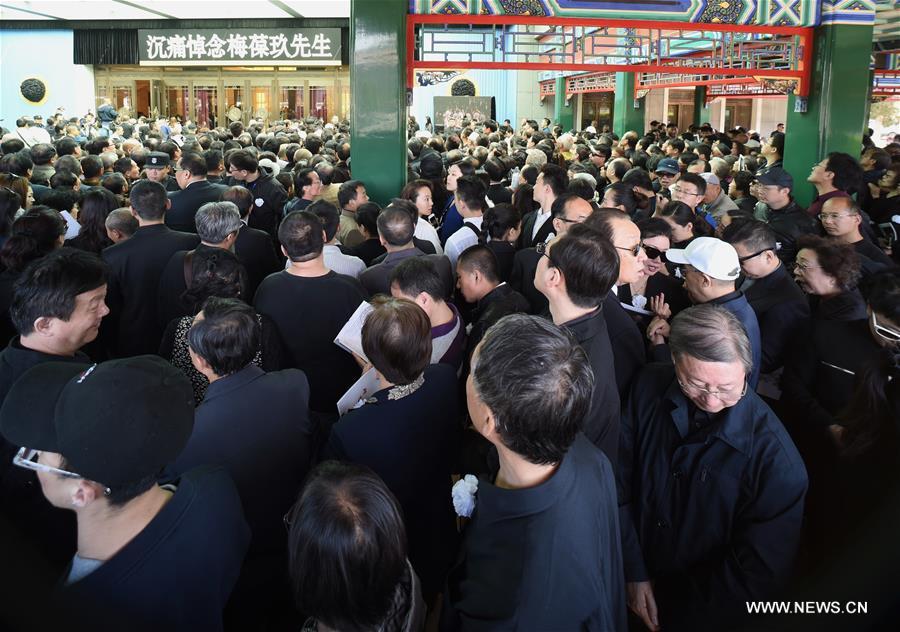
x=462, y=88
x=33, y=90
x=234, y=114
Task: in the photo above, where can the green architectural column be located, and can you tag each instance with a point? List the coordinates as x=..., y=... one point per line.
x=563, y=111
x=836, y=110
x=626, y=117
x=700, y=111
x=378, y=96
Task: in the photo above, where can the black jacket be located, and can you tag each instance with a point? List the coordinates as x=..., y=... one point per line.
x=415, y=460
x=202, y=532
x=711, y=506
x=782, y=311
x=788, y=224
x=135, y=268
x=627, y=344
x=544, y=558
x=245, y=415
x=601, y=425
x=528, y=227
x=256, y=251
x=499, y=302
x=506, y=256
x=268, y=202
x=522, y=280
x=186, y=203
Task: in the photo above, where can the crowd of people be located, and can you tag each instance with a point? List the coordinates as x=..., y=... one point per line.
x=598, y=382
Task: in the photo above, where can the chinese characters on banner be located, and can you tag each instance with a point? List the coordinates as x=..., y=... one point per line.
x=310, y=47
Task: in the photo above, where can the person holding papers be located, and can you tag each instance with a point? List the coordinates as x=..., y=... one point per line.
x=408, y=432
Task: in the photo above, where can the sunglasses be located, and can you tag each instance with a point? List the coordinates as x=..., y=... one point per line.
x=634, y=250
x=749, y=257
x=652, y=253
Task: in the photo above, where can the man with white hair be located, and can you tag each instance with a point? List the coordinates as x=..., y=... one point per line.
x=711, y=486
x=717, y=201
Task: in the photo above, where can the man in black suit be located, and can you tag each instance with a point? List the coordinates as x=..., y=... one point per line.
x=253, y=247
x=551, y=182
x=781, y=307
x=568, y=209
x=395, y=230
x=268, y=194
x=195, y=192
x=628, y=347
x=136, y=266
x=575, y=273
x=229, y=431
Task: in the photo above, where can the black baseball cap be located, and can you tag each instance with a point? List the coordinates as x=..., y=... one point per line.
x=157, y=160
x=115, y=423
x=776, y=176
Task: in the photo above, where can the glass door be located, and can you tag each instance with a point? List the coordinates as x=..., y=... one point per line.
x=234, y=104
x=291, y=103
x=177, y=102
x=318, y=102
x=205, y=106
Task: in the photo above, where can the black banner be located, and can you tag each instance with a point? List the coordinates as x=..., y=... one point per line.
x=240, y=47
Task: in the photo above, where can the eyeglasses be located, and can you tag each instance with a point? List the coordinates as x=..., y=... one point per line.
x=635, y=250
x=28, y=458
x=651, y=252
x=569, y=221
x=726, y=394
x=833, y=216
x=755, y=254
x=543, y=249
x=681, y=191
x=803, y=267
x=888, y=334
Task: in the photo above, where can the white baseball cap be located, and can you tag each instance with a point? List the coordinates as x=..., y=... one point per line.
x=713, y=257
x=710, y=178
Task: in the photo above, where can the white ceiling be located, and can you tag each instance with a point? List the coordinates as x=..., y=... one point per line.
x=166, y=9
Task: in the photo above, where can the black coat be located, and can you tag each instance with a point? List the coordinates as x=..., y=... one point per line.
x=506, y=256
x=414, y=459
x=789, y=224
x=783, y=312
x=543, y=232
x=522, y=280
x=135, y=268
x=268, y=202
x=245, y=416
x=711, y=506
x=186, y=203
x=256, y=250
x=601, y=425
x=628, y=348
x=543, y=558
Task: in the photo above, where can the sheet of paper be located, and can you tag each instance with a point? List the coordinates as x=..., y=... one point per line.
x=349, y=337
x=360, y=391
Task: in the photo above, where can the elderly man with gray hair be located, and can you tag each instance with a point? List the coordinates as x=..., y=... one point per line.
x=218, y=224
x=711, y=487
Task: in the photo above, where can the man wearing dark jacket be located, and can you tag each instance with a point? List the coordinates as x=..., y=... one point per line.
x=785, y=217
x=268, y=194
x=253, y=247
x=228, y=431
x=576, y=272
x=479, y=282
x=97, y=436
x=195, y=192
x=780, y=305
x=136, y=266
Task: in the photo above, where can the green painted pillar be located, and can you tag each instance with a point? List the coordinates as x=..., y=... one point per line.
x=700, y=111
x=627, y=117
x=836, y=109
x=563, y=110
x=378, y=96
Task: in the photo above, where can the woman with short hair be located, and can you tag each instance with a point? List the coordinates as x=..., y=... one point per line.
x=408, y=432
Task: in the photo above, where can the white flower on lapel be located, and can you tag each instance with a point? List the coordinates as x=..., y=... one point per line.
x=463, y=493
x=639, y=301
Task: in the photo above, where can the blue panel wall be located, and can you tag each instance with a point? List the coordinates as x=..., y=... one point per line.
x=488, y=83
x=45, y=55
